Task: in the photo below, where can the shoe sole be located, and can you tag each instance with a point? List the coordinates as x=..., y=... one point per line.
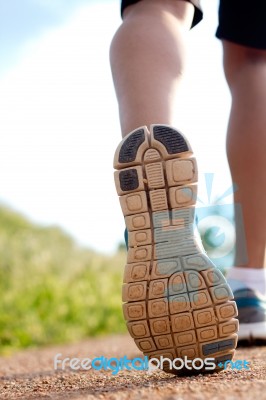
x=176, y=302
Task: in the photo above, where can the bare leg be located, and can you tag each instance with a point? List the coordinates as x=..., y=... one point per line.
x=245, y=70
x=147, y=60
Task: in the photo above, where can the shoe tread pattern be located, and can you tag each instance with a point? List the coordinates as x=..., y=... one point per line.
x=176, y=303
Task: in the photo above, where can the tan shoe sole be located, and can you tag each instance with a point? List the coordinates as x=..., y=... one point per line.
x=176, y=302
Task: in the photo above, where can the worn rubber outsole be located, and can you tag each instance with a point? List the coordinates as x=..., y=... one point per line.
x=176, y=303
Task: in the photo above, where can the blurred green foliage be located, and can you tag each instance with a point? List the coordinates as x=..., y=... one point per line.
x=51, y=290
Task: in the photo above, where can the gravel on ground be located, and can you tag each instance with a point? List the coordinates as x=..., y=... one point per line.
x=30, y=374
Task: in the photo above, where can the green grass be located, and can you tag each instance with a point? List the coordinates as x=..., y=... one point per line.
x=51, y=290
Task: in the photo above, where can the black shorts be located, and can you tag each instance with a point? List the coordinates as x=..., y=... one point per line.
x=240, y=21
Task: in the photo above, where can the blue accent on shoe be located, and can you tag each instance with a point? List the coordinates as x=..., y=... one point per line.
x=251, y=306
x=250, y=302
x=249, y=298
x=126, y=237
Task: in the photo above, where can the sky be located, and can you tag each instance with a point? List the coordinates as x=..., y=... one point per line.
x=59, y=119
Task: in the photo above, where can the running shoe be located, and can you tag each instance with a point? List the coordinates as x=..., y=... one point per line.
x=177, y=304
x=252, y=316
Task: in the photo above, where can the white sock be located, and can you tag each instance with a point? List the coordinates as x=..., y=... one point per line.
x=252, y=278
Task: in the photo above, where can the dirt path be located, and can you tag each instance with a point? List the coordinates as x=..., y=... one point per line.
x=31, y=375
